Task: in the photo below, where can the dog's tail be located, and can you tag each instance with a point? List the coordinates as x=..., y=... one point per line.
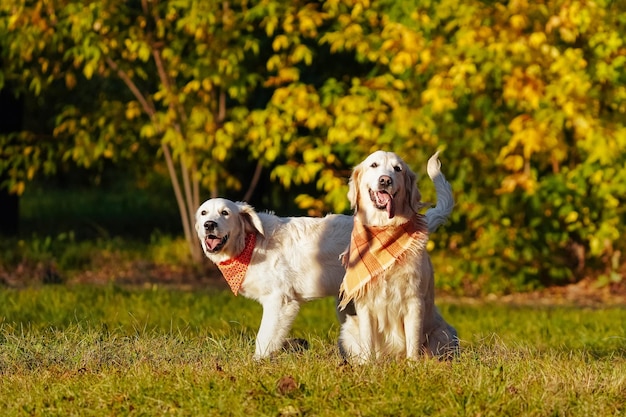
x=438, y=215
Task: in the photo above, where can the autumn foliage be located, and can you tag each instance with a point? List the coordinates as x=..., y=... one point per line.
x=527, y=100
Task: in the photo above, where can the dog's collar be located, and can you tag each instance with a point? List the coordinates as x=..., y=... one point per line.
x=234, y=269
x=373, y=250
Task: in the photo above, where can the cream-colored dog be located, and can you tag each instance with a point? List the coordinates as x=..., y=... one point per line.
x=286, y=260
x=389, y=275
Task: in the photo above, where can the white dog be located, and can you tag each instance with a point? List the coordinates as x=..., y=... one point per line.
x=286, y=260
x=389, y=275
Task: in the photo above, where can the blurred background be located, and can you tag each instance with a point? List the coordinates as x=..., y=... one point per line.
x=118, y=118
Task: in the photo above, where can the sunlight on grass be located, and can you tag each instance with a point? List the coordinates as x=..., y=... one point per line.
x=107, y=350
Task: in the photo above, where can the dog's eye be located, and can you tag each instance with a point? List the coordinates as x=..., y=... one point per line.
x=203, y=212
x=374, y=164
x=397, y=168
x=225, y=213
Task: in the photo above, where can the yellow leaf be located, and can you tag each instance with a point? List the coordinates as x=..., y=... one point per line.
x=401, y=62
x=144, y=52
x=147, y=131
x=219, y=153
x=301, y=114
x=30, y=173
x=132, y=111
x=571, y=217
x=302, y=53
x=18, y=188
x=70, y=80
x=13, y=21
x=595, y=245
x=193, y=85
x=537, y=39
x=508, y=186
x=514, y=162
x=567, y=34
x=518, y=21
x=270, y=25
x=307, y=26
x=280, y=42
x=288, y=74
x=398, y=84
x=89, y=69
x=207, y=85
x=611, y=202
x=274, y=63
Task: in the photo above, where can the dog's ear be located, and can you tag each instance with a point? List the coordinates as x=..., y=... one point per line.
x=353, y=187
x=197, y=224
x=199, y=228
x=413, y=195
x=251, y=220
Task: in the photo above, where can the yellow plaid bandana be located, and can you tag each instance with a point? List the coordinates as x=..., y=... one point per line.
x=234, y=270
x=373, y=250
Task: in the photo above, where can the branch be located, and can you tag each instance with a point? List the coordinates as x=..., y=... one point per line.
x=191, y=208
x=174, y=105
x=150, y=111
x=165, y=79
x=254, y=181
x=221, y=115
x=184, y=215
x=186, y=203
x=196, y=187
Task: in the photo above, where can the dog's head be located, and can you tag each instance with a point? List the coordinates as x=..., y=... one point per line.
x=222, y=226
x=383, y=186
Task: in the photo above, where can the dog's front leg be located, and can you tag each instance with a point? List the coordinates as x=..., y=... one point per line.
x=278, y=316
x=414, y=328
x=366, y=333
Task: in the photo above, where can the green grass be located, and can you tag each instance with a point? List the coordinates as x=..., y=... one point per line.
x=85, y=350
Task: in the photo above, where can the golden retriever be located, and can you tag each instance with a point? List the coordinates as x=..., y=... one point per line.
x=285, y=260
x=395, y=310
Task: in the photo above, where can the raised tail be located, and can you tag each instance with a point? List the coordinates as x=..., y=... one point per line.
x=438, y=215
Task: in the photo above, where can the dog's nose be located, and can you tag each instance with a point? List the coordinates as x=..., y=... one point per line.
x=210, y=225
x=385, y=181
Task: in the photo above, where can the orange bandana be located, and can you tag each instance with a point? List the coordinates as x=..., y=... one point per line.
x=374, y=249
x=234, y=270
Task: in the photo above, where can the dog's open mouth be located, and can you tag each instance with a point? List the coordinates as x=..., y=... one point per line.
x=213, y=243
x=383, y=201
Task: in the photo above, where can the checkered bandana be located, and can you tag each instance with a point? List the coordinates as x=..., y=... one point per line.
x=373, y=250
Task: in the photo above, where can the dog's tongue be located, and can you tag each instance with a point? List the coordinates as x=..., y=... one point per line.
x=385, y=199
x=211, y=242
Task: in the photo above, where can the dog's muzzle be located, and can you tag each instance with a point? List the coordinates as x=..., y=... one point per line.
x=214, y=243
x=383, y=200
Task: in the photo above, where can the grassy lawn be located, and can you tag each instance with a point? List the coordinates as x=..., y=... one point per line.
x=87, y=350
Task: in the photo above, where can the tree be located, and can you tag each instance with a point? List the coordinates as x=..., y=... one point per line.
x=527, y=98
x=174, y=68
